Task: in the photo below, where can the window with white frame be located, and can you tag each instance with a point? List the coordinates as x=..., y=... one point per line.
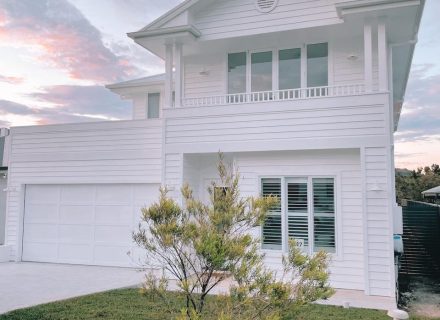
x=153, y=107
x=253, y=71
x=308, y=207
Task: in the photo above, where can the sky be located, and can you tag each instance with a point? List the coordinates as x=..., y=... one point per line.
x=57, y=55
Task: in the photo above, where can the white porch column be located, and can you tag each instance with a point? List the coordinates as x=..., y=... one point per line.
x=168, y=75
x=368, y=57
x=382, y=53
x=178, y=74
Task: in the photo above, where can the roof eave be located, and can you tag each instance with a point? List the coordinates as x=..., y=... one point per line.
x=187, y=29
x=359, y=6
x=170, y=15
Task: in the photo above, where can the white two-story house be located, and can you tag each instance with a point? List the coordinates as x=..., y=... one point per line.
x=302, y=96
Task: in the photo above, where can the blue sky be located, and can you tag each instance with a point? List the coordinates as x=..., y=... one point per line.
x=48, y=74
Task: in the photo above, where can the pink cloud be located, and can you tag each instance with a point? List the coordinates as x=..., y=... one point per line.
x=11, y=80
x=66, y=39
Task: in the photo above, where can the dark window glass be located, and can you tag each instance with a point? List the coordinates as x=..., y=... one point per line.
x=289, y=69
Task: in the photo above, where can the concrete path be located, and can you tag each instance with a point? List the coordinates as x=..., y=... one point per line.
x=26, y=284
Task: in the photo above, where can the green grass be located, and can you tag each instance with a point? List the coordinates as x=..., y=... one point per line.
x=128, y=304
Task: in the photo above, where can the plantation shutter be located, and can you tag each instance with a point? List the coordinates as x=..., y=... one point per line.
x=324, y=214
x=297, y=210
x=272, y=235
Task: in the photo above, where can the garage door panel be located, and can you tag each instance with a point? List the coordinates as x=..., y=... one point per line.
x=40, y=252
x=75, y=234
x=111, y=255
x=114, y=234
x=43, y=194
x=75, y=253
x=114, y=215
x=76, y=214
x=71, y=193
x=42, y=213
x=114, y=194
x=85, y=224
x=41, y=233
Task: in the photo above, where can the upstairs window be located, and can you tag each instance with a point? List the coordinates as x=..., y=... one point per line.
x=237, y=72
x=289, y=68
x=254, y=72
x=153, y=106
x=308, y=205
x=261, y=71
x=317, y=65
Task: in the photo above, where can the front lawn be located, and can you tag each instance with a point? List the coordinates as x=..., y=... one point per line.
x=128, y=304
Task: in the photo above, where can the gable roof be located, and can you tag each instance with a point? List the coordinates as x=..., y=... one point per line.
x=144, y=81
x=171, y=14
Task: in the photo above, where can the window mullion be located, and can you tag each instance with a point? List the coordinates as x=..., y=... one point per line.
x=284, y=227
x=248, y=71
x=303, y=66
x=310, y=215
x=275, y=70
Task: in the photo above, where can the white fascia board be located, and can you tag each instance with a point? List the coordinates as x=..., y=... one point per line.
x=361, y=6
x=412, y=43
x=117, y=86
x=184, y=30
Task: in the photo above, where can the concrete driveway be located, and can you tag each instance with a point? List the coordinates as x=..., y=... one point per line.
x=26, y=284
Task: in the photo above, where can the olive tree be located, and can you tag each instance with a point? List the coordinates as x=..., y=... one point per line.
x=201, y=245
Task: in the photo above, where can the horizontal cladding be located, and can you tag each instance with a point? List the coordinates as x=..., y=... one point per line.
x=380, y=254
x=347, y=269
x=240, y=17
x=210, y=84
x=276, y=121
x=104, y=152
x=84, y=150
x=347, y=70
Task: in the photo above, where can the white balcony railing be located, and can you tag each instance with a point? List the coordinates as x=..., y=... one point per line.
x=278, y=95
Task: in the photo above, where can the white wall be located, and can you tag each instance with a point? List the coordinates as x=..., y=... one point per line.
x=288, y=125
x=3, y=185
x=231, y=18
x=350, y=71
x=202, y=85
x=347, y=265
x=378, y=219
x=140, y=102
x=102, y=152
x=364, y=259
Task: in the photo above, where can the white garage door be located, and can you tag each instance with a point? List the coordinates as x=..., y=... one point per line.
x=84, y=224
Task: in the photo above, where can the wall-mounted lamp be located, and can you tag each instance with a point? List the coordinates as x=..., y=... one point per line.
x=352, y=57
x=3, y=175
x=204, y=72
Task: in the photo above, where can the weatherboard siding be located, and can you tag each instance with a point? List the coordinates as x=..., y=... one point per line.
x=293, y=124
x=349, y=70
x=379, y=222
x=202, y=85
x=104, y=152
x=233, y=18
x=347, y=265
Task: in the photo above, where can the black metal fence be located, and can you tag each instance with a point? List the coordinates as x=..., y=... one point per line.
x=421, y=240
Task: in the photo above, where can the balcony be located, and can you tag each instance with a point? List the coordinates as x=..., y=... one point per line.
x=277, y=95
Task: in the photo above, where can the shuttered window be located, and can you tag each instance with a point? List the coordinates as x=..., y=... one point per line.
x=298, y=210
x=271, y=233
x=324, y=214
x=309, y=208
